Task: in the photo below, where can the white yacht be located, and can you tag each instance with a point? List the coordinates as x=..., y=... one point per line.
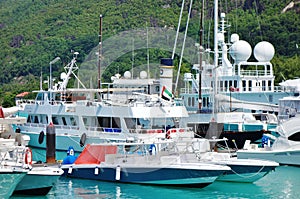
x=285, y=148
x=124, y=110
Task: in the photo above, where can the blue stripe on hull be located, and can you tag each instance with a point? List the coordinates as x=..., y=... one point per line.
x=164, y=176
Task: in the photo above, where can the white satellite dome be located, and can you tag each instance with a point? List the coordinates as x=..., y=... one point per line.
x=240, y=51
x=127, y=74
x=63, y=75
x=234, y=38
x=143, y=74
x=264, y=51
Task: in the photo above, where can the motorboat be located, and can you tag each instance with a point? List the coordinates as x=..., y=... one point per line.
x=38, y=178
x=134, y=164
x=285, y=148
x=242, y=170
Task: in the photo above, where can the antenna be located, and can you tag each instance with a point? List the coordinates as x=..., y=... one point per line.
x=132, y=58
x=200, y=57
x=100, y=52
x=148, y=67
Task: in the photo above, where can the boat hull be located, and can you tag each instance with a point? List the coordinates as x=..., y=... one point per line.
x=38, y=181
x=283, y=157
x=145, y=175
x=9, y=180
x=246, y=173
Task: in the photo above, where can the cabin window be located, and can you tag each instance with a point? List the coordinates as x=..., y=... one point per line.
x=193, y=101
x=109, y=122
x=157, y=88
x=39, y=96
x=130, y=122
x=189, y=101
x=64, y=121
x=85, y=121
x=55, y=120
x=36, y=119
x=244, y=85
x=269, y=85
x=29, y=119
x=221, y=85
x=295, y=137
x=44, y=119
x=235, y=84
x=250, y=85
x=73, y=121
x=264, y=85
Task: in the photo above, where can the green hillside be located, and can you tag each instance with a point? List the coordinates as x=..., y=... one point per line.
x=34, y=32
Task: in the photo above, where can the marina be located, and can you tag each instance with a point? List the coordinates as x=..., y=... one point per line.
x=283, y=183
x=144, y=137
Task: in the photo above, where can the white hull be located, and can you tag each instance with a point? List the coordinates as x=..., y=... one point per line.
x=286, y=157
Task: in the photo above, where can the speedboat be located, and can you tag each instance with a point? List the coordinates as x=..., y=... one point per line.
x=285, y=148
x=242, y=170
x=134, y=164
x=37, y=179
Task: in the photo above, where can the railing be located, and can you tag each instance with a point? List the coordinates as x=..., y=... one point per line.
x=253, y=72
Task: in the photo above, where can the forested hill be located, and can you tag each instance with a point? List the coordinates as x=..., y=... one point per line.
x=34, y=32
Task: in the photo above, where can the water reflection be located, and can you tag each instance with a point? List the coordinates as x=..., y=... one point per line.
x=283, y=183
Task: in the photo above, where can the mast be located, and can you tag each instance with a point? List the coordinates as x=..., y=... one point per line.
x=99, y=53
x=216, y=52
x=183, y=45
x=200, y=57
x=178, y=27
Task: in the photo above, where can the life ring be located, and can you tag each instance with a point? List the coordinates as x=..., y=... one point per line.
x=28, y=156
x=82, y=140
x=41, y=137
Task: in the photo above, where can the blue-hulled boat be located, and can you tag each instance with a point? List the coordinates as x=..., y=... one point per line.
x=104, y=162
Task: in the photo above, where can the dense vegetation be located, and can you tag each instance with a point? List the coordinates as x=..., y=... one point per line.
x=34, y=32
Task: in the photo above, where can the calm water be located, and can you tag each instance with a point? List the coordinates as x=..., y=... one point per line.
x=282, y=183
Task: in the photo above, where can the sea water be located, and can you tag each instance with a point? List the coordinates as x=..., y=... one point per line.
x=284, y=182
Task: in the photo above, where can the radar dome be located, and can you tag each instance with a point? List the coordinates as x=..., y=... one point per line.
x=143, y=74
x=264, y=51
x=127, y=75
x=63, y=75
x=234, y=38
x=240, y=51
